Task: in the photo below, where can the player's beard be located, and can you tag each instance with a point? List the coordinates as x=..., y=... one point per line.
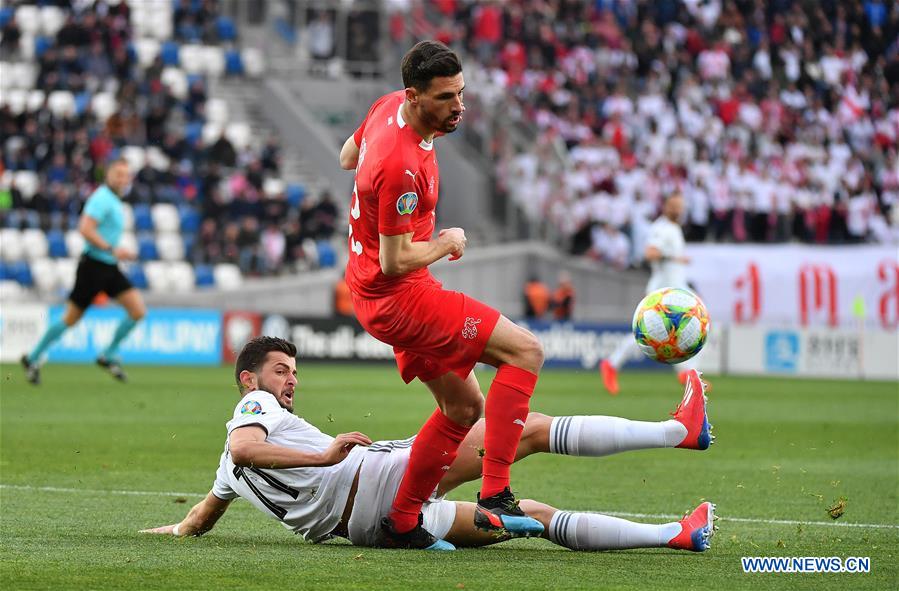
x=442, y=125
x=285, y=404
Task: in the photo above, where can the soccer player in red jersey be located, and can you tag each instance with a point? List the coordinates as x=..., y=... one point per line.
x=438, y=335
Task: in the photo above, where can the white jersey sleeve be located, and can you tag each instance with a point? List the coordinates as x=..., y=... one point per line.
x=257, y=408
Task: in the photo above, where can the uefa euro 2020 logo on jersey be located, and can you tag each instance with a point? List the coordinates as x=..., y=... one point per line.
x=470, y=330
x=406, y=203
x=251, y=407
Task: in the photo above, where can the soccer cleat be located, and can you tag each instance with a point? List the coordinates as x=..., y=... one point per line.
x=113, y=367
x=32, y=371
x=691, y=413
x=418, y=538
x=609, y=376
x=501, y=514
x=697, y=529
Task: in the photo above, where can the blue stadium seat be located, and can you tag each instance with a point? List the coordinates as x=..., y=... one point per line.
x=288, y=33
x=143, y=219
x=226, y=29
x=32, y=219
x=56, y=243
x=6, y=13
x=326, y=255
x=190, y=239
x=5, y=272
x=295, y=194
x=21, y=272
x=233, y=63
x=204, y=276
x=188, y=32
x=169, y=54
x=193, y=131
x=190, y=218
x=82, y=102
x=136, y=276
x=41, y=45
x=12, y=219
x=146, y=248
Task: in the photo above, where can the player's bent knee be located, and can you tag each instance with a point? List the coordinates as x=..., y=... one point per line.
x=465, y=413
x=531, y=352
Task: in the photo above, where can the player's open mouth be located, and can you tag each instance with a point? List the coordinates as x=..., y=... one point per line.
x=455, y=120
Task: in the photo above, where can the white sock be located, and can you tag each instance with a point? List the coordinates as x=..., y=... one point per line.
x=627, y=346
x=603, y=436
x=592, y=531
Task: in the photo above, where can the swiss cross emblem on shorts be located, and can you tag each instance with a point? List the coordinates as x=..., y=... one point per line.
x=470, y=330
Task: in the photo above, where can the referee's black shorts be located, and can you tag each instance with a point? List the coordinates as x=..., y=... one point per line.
x=92, y=277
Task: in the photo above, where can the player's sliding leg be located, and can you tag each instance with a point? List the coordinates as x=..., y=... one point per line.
x=609, y=367
x=518, y=357
x=32, y=361
x=434, y=450
x=134, y=306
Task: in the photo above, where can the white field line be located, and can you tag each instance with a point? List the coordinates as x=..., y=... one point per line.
x=148, y=493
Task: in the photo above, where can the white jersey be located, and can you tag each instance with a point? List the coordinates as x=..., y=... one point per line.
x=307, y=501
x=668, y=237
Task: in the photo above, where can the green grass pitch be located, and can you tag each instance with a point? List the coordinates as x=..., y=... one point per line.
x=786, y=450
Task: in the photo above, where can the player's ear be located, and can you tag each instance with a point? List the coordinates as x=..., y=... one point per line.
x=412, y=95
x=248, y=380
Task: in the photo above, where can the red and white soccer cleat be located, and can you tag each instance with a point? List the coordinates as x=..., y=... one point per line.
x=697, y=530
x=691, y=413
x=609, y=376
x=682, y=376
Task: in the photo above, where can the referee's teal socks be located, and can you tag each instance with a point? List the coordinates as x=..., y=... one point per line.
x=121, y=332
x=51, y=335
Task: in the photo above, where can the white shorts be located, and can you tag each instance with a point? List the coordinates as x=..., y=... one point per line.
x=379, y=478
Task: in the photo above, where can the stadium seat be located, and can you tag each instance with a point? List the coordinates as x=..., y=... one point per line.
x=211, y=133
x=327, y=257
x=136, y=275
x=44, y=272
x=11, y=246
x=74, y=243
x=52, y=19
x=286, y=31
x=135, y=155
x=190, y=219
x=128, y=215
x=21, y=272
x=192, y=59
x=11, y=291
x=24, y=75
x=217, y=111
x=65, y=273
x=165, y=217
x=253, y=61
x=35, y=100
x=181, y=277
x=6, y=14
x=129, y=242
x=176, y=80
x=233, y=63
x=157, y=276
x=103, y=105
x=28, y=18
x=34, y=244
x=193, y=131
x=203, y=276
x=239, y=134
x=161, y=21
x=295, y=194
x=82, y=103
x=310, y=251
x=213, y=60
x=157, y=159
x=41, y=45
x=170, y=246
x=170, y=54
x=27, y=183
x=226, y=29
x=146, y=248
x=147, y=49
x=56, y=244
x=272, y=187
x=17, y=100
x=61, y=103
x=227, y=276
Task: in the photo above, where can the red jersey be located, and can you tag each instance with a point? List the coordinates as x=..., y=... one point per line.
x=395, y=193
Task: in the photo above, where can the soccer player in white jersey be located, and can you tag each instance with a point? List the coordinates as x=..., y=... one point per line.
x=665, y=247
x=320, y=486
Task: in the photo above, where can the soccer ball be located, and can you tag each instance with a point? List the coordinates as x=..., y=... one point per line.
x=671, y=325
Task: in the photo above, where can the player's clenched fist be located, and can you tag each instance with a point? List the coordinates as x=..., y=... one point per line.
x=455, y=239
x=341, y=447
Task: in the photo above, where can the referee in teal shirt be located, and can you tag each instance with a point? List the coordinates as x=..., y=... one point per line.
x=102, y=223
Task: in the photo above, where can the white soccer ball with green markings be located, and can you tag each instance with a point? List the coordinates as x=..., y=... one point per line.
x=671, y=325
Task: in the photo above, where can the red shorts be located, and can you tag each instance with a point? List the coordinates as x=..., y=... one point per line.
x=433, y=331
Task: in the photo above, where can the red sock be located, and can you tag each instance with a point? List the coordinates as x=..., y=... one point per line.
x=434, y=450
x=505, y=414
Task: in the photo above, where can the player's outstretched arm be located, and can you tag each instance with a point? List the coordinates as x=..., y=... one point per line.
x=248, y=448
x=349, y=154
x=399, y=255
x=200, y=519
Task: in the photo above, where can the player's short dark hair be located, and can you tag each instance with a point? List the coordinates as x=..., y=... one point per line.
x=428, y=60
x=253, y=354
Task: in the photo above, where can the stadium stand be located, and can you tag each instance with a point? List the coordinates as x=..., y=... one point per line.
x=779, y=121
x=114, y=78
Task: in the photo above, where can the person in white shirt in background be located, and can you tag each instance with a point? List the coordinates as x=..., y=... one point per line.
x=611, y=246
x=665, y=251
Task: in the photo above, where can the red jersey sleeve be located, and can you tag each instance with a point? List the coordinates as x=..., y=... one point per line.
x=394, y=184
x=360, y=131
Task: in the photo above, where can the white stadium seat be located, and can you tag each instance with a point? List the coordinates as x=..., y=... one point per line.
x=26, y=47
x=28, y=18
x=157, y=159
x=11, y=291
x=17, y=100
x=176, y=80
x=52, y=19
x=161, y=21
x=147, y=49
x=128, y=214
x=211, y=133
x=6, y=79
x=61, y=103
x=27, y=182
x=11, y=247
x=253, y=62
x=34, y=243
x=74, y=243
x=239, y=134
x=103, y=105
x=65, y=273
x=165, y=217
x=24, y=75
x=43, y=271
x=157, y=276
x=273, y=187
x=227, y=276
x=181, y=277
x=170, y=246
x=129, y=242
x=217, y=111
x=191, y=58
x=136, y=157
x=213, y=60
x=35, y=100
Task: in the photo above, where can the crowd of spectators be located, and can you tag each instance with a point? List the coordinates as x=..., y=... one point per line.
x=778, y=120
x=92, y=52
